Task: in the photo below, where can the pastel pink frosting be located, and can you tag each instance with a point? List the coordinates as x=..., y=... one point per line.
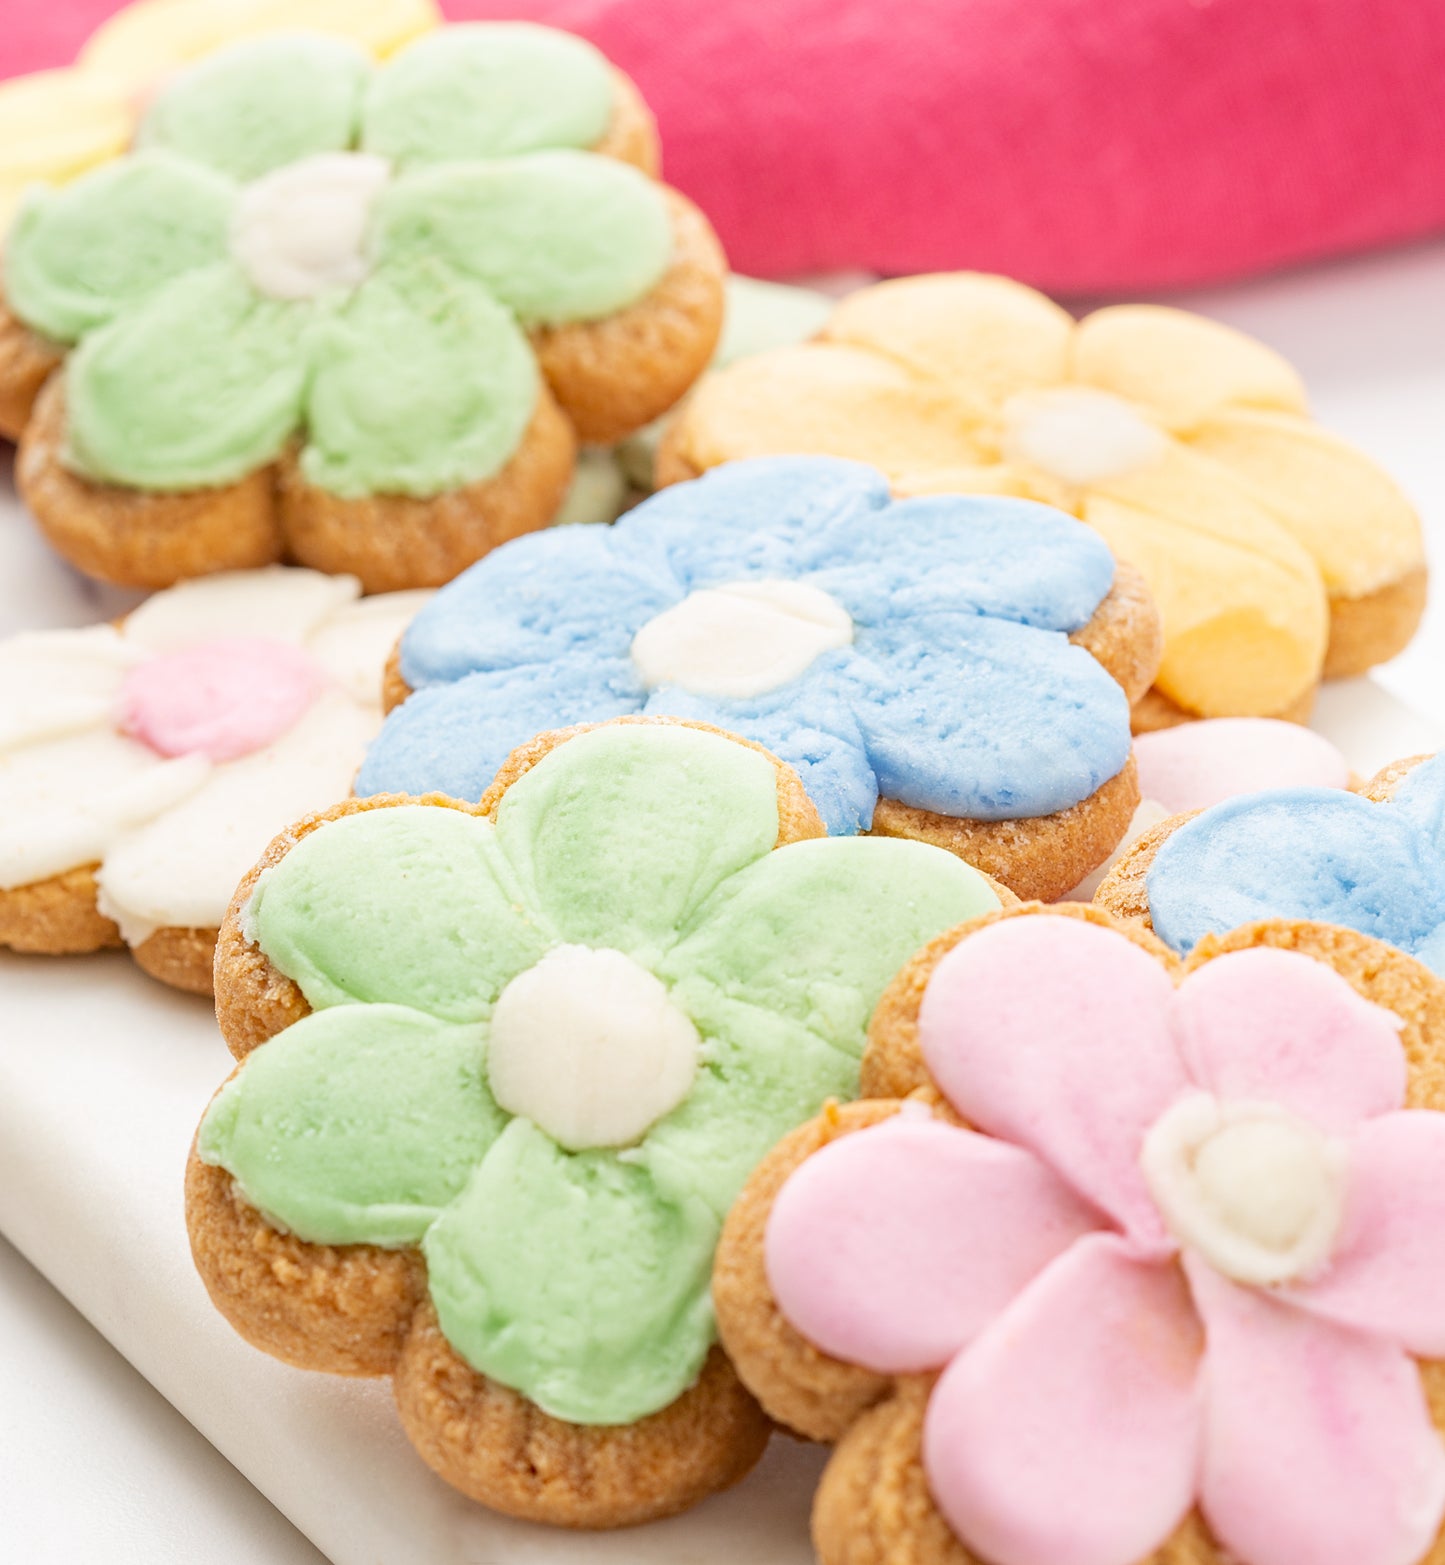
x=222, y=699
x=1099, y=1378
x=1196, y=765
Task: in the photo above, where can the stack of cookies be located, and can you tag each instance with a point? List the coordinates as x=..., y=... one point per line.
x=766, y=880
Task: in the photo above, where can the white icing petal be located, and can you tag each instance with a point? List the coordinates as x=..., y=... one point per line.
x=741, y=639
x=588, y=1045
x=281, y=601
x=181, y=869
x=301, y=231
x=63, y=803
x=354, y=642
x=1257, y=1191
x=56, y=682
x=1078, y=436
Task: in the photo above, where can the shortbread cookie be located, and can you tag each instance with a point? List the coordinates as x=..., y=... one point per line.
x=525, y=1053
x=1194, y=765
x=356, y=316
x=1373, y=861
x=1276, y=551
x=144, y=765
x=1130, y=1262
x=957, y=670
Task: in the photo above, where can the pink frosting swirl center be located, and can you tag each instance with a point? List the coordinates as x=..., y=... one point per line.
x=222, y=699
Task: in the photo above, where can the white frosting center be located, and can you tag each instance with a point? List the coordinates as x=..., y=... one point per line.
x=1255, y=1190
x=589, y=1047
x=301, y=230
x=741, y=639
x=1078, y=436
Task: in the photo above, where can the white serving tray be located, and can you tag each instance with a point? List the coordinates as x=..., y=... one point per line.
x=103, y=1073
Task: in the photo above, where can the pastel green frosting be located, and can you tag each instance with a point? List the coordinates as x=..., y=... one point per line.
x=79, y=255
x=579, y=1279
x=201, y=383
x=262, y=103
x=556, y=236
x=383, y=1113
x=421, y=382
x=487, y=90
x=417, y=382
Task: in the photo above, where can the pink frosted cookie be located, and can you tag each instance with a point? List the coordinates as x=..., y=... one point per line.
x=1196, y=765
x=144, y=765
x=1132, y=1261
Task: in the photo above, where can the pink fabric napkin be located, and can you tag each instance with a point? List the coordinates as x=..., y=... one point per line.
x=1083, y=145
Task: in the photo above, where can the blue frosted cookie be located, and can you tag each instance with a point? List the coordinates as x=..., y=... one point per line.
x=1372, y=862
x=956, y=669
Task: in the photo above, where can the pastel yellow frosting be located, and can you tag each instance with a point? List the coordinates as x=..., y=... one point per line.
x=55, y=125
x=149, y=38
x=1187, y=444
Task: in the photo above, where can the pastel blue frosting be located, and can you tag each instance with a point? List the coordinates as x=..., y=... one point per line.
x=1311, y=853
x=961, y=692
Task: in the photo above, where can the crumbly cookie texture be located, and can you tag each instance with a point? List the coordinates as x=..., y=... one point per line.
x=358, y=1309
x=395, y=522
x=1042, y=857
x=874, y=1505
x=132, y=537
x=391, y=542
x=57, y=917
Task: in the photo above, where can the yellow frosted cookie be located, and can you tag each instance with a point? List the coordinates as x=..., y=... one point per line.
x=1275, y=550
x=144, y=41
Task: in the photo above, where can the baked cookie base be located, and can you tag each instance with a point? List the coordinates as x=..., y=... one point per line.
x=134, y=538
x=616, y=375
x=27, y=361
x=1368, y=630
x=60, y=917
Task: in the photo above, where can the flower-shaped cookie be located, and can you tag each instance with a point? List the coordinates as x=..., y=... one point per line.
x=355, y=314
x=548, y=1039
x=1140, y=1272
x=145, y=765
x=1373, y=861
x=1274, y=549
x=911, y=660
x=57, y=124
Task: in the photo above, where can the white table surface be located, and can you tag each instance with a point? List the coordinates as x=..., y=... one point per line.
x=95, y=1464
